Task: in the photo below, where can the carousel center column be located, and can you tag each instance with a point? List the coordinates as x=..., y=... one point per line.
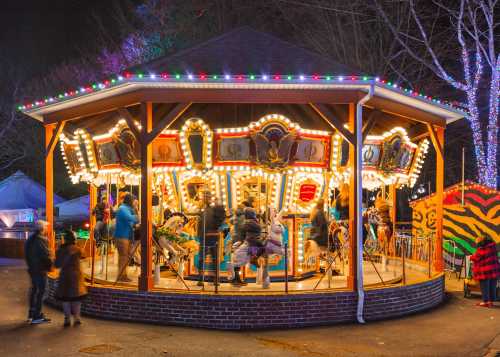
x=146, y=277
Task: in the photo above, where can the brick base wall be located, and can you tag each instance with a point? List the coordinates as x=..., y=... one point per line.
x=257, y=311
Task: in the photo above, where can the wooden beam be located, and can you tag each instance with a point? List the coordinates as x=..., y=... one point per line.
x=438, y=146
x=405, y=111
x=370, y=122
x=55, y=137
x=167, y=120
x=197, y=95
x=146, y=278
x=333, y=120
x=92, y=222
x=49, y=187
x=439, y=261
x=130, y=122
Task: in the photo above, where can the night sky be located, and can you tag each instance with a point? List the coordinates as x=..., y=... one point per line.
x=40, y=34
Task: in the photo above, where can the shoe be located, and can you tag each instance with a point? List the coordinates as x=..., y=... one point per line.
x=491, y=304
x=483, y=304
x=125, y=280
x=67, y=322
x=77, y=322
x=40, y=320
x=199, y=283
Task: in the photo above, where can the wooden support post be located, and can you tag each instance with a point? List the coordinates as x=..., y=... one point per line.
x=92, y=204
x=146, y=277
x=393, y=197
x=49, y=184
x=438, y=249
x=353, y=248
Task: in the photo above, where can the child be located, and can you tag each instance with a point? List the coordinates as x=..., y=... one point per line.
x=71, y=289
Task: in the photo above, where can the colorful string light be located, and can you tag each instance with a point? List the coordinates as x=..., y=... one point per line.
x=217, y=78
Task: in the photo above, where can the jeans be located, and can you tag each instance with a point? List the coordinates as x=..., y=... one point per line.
x=488, y=289
x=72, y=308
x=38, y=284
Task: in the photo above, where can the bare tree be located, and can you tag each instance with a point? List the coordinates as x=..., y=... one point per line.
x=474, y=35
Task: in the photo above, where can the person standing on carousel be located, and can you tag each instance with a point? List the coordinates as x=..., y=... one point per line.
x=211, y=219
x=126, y=218
x=102, y=214
x=237, y=238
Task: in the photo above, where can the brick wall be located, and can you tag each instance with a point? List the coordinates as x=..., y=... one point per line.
x=257, y=311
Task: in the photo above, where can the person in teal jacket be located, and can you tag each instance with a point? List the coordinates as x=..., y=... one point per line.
x=126, y=218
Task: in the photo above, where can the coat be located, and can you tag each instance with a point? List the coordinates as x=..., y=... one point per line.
x=125, y=221
x=486, y=264
x=37, y=255
x=71, y=285
x=319, y=228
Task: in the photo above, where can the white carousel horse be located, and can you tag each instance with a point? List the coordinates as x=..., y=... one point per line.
x=177, y=253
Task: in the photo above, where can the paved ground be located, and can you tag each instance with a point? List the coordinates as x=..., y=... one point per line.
x=455, y=329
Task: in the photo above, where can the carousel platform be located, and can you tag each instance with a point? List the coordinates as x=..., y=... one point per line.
x=374, y=275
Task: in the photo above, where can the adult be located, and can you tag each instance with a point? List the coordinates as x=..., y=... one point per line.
x=39, y=263
x=71, y=289
x=212, y=216
x=237, y=237
x=319, y=225
x=101, y=213
x=486, y=269
x=124, y=234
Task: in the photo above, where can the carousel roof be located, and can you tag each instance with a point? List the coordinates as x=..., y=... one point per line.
x=255, y=68
x=245, y=50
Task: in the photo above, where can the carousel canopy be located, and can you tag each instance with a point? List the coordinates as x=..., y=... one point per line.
x=256, y=68
x=245, y=50
x=20, y=192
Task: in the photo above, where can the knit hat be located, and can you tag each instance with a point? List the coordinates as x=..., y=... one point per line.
x=69, y=237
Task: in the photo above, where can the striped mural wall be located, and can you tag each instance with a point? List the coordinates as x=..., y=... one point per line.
x=480, y=214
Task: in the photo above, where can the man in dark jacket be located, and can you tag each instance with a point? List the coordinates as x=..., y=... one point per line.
x=39, y=263
x=211, y=218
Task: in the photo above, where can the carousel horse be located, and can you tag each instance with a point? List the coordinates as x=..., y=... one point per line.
x=384, y=226
x=174, y=244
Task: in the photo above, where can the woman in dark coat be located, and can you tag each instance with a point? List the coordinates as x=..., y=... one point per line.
x=71, y=289
x=486, y=269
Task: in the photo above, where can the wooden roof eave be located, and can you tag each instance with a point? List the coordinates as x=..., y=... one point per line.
x=132, y=93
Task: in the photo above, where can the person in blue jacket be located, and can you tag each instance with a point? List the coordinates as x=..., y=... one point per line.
x=126, y=218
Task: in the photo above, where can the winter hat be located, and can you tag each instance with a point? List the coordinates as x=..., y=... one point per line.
x=250, y=213
x=69, y=237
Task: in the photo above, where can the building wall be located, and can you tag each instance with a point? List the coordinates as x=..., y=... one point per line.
x=238, y=312
x=480, y=214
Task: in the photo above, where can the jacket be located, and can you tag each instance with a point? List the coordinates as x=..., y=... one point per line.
x=125, y=221
x=100, y=212
x=214, y=218
x=486, y=264
x=238, y=221
x=70, y=285
x=319, y=228
x=37, y=255
x=253, y=231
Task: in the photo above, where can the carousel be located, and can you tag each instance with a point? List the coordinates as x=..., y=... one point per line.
x=280, y=148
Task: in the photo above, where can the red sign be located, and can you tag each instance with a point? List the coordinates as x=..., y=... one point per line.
x=307, y=192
